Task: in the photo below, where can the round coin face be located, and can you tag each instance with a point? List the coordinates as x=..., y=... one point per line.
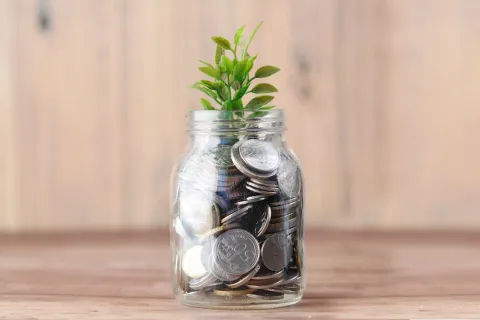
x=276, y=251
x=236, y=251
x=192, y=262
x=259, y=155
x=197, y=213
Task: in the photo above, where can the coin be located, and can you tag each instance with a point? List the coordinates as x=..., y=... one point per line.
x=238, y=162
x=284, y=217
x=284, y=202
x=266, y=295
x=231, y=293
x=263, y=192
x=261, y=187
x=267, y=275
x=245, y=278
x=192, y=262
x=197, y=213
x=290, y=288
x=282, y=226
x=292, y=276
x=205, y=281
x=236, y=213
x=219, y=273
x=257, y=285
x=251, y=199
x=259, y=155
x=236, y=251
x=262, y=224
x=276, y=251
x=289, y=179
x=263, y=182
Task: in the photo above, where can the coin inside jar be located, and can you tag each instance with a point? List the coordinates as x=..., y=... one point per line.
x=236, y=251
x=265, y=295
x=259, y=155
x=242, y=281
x=276, y=251
x=236, y=214
x=192, y=262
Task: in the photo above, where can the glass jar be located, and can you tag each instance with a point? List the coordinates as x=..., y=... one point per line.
x=237, y=214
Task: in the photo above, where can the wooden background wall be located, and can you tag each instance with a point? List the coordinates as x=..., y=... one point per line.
x=382, y=99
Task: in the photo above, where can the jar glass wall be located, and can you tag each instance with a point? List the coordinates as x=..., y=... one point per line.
x=237, y=214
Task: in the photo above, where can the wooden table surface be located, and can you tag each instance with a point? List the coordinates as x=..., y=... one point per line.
x=351, y=275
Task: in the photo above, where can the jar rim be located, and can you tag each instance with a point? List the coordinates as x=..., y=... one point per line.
x=201, y=121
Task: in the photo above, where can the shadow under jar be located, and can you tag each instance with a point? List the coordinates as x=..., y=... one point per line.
x=237, y=214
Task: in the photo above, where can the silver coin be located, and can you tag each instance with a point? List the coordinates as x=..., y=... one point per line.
x=282, y=226
x=283, y=218
x=259, y=155
x=251, y=199
x=263, y=192
x=219, y=273
x=236, y=214
x=263, y=182
x=236, y=251
x=220, y=156
x=197, y=213
x=289, y=179
x=244, y=169
x=292, y=277
x=242, y=281
x=197, y=284
x=261, y=187
x=276, y=251
x=263, y=223
x=284, y=202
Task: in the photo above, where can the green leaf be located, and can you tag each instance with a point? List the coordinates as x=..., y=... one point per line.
x=238, y=35
x=250, y=63
x=209, y=84
x=226, y=63
x=257, y=114
x=240, y=93
x=237, y=105
x=252, y=36
x=206, y=104
x=222, y=42
x=266, y=71
x=264, y=88
x=218, y=54
x=210, y=72
x=239, y=70
x=222, y=91
x=266, y=108
x=258, y=102
x=227, y=105
x=207, y=64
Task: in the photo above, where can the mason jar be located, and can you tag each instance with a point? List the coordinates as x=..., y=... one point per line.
x=237, y=214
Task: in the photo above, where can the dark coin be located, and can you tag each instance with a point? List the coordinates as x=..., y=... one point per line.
x=265, y=295
x=276, y=251
x=259, y=191
x=236, y=251
x=291, y=277
x=266, y=274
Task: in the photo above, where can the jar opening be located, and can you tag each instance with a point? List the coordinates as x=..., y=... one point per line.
x=236, y=122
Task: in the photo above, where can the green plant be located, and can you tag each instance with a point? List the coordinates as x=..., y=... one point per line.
x=231, y=81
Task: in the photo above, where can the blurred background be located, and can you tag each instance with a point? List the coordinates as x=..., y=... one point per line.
x=382, y=101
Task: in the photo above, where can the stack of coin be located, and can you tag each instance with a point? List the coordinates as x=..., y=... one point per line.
x=239, y=207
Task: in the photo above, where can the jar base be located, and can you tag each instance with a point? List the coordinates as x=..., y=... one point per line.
x=211, y=301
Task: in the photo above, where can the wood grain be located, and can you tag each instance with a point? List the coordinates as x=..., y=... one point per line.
x=68, y=115
x=7, y=121
x=380, y=98
x=361, y=275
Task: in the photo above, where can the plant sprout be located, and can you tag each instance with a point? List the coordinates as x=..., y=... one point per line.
x=230, y=78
